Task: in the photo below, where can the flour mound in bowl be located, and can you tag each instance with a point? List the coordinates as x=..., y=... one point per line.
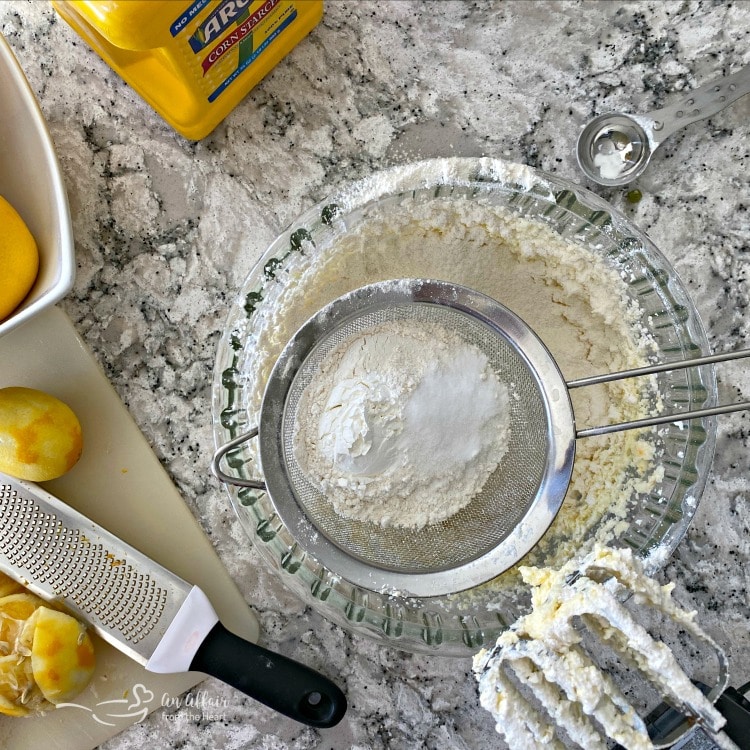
x=402, y=425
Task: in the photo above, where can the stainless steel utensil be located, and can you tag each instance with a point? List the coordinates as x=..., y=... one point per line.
x=615, y=148
x=563, y=659
x=141, y=608
x=518, y=502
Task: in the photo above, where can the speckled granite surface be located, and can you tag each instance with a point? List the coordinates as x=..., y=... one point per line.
x=167, y=230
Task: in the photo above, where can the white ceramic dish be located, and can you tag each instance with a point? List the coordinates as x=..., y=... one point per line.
x=31, y=182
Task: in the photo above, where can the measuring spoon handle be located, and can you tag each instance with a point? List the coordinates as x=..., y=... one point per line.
x=698, y=104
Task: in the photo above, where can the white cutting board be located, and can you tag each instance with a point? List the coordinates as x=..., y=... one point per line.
x=120, y=484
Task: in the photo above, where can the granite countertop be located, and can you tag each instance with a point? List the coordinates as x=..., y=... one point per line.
x=166, y=231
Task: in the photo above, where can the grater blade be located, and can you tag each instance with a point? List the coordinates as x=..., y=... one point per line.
x=62, y=556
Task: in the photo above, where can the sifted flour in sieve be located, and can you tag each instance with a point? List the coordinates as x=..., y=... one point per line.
x=395, y=418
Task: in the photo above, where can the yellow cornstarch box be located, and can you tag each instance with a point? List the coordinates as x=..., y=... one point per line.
x=193, y=62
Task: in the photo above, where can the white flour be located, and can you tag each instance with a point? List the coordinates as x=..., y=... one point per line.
x=402, y=425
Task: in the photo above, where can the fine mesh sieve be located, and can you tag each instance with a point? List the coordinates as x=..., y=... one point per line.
x=517, y=503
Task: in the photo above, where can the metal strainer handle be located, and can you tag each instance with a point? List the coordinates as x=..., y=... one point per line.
x=662, y=418
x=219, y=473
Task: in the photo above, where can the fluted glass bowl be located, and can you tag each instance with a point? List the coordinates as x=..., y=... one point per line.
x=658, y=511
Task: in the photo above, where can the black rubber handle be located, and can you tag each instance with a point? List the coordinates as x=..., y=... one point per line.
x=282, y=684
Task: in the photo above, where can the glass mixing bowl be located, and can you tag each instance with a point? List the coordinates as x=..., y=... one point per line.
x=657, y=515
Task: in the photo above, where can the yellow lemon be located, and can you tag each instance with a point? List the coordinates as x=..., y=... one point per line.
x=19, y=259
x=15, y=609
x=40, y=436
x=46, y=655
x=62, y=655
x=12, y=686
x=19, y=694
x=8, y=586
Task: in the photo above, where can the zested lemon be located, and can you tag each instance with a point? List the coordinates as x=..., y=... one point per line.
x=19, y=259
x=46, y=656
x=62, y=655
x=40, y=436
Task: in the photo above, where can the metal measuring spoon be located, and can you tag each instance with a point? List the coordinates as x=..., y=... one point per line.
x=614, y=148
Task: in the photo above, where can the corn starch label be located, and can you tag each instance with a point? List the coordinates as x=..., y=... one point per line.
x=224, y=39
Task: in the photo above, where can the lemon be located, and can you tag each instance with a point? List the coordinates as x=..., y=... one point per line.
x=19, y=259
x=19, y=695
x=46, y=655
x=62, y=655
x=15, y=609
x=40, y=436
x=8, y=586
x=8, y=706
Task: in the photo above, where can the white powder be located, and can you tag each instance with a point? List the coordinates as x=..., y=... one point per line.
x=395, y=418
x=613, y=163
